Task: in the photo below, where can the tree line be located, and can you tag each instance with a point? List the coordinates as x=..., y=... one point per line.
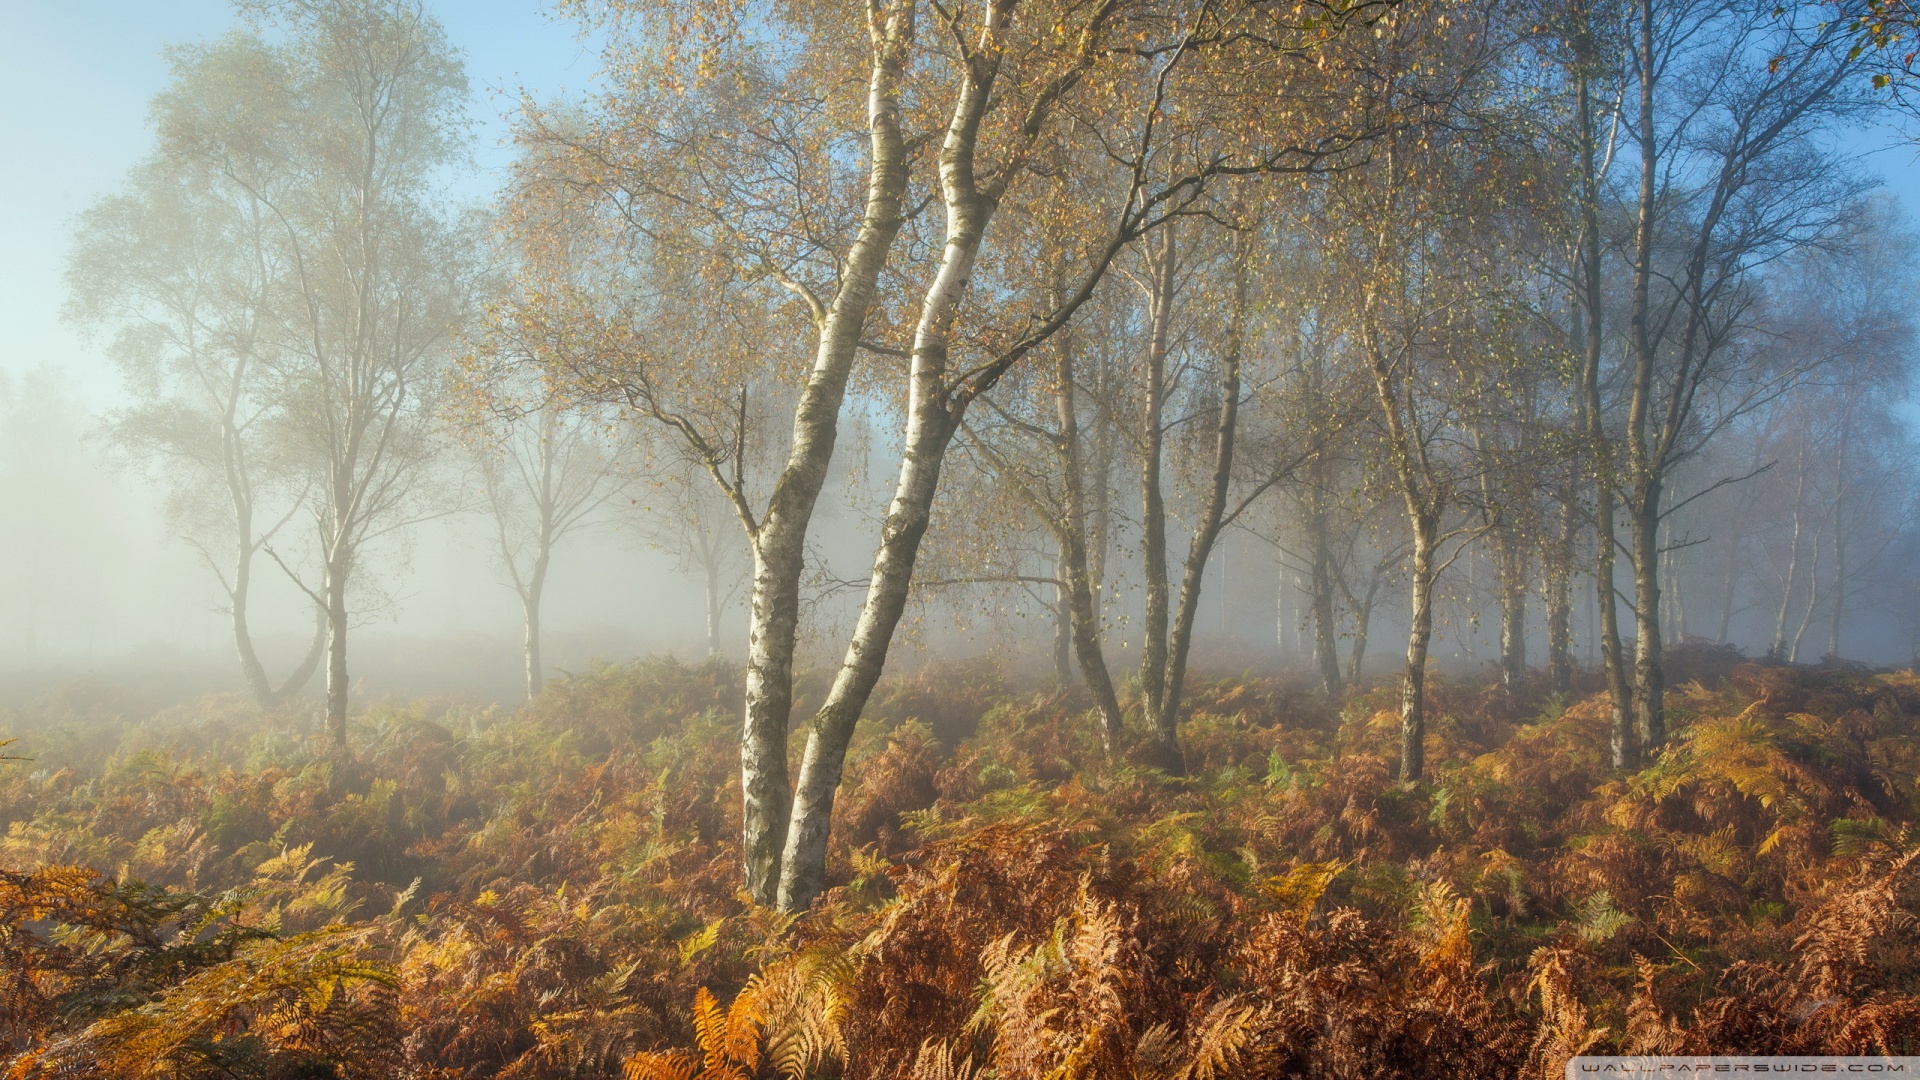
x=1585, y=299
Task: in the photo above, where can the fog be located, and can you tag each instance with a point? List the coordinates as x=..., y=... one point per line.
x=96, y=581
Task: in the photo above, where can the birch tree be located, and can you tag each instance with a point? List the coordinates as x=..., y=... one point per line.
x=1019, y=74
x=339, y=133
x=185, y=268
x=546, y=473
x=1432, y=198
x=1728, y=99
x=781, y=183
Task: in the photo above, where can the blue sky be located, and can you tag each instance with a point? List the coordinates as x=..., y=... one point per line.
x=80, y=73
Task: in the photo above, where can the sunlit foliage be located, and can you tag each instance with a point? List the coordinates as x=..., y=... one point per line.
x=552, y=893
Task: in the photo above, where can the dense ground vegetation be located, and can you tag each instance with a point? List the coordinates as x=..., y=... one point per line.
x=553, y=892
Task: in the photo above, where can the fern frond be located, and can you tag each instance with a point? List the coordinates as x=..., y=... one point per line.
x=647, y=1065
x=1221, y=1040
x=935, y=1062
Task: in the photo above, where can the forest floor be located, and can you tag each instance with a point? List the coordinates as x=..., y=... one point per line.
x=553, y=891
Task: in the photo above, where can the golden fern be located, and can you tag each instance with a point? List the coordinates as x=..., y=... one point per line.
x=787, y=1018
x=729, y=1038
x=1300, y=888
x=672, y=1065
x=935, y=1062
x=1566, y=1029
x=1222, y=1040
x=801, y=1007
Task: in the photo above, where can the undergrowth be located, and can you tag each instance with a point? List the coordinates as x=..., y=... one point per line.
x=553, y=892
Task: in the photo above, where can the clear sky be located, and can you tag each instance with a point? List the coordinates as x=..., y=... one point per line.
x=80, y=74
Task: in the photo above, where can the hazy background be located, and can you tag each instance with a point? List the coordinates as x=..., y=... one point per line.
x=91, y=579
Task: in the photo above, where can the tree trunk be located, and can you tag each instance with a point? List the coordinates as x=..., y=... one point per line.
x=1206, y=533
x=1362, y=617
x=1560, y=600
x=250, y=666
x=1730, y=581
x=1625, y=741
x=930, y=429
x=1153, y=515
x=779, y=541
x=1084, y=616
x=530, y=596
x=1084, y=624
x=1729, y=585
x=803, y=868
x=1778, y=650
x=1282, y=611
x=1326, y=636
x=1840, y=530
x=335, y=590
x=1512, y=573
x=1649, y=680
x=1081, y=594
x=1839, y=587
x=1646, y=465
x=773, y=624
x=297, y=680
x=1813, y=596
x=1413, y=688
x=1062, y=627
x=1676, y=590
x=1625, y=744
x=1096, y=485
x=530, y=604
x=712, y=568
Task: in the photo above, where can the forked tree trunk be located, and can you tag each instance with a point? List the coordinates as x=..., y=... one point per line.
x=264, y=693
x=303, y=673
x=250, y=667
x=239, y=493
x=779, y=540
x=935, y=410
x=1813, y=596
x=930, y=429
